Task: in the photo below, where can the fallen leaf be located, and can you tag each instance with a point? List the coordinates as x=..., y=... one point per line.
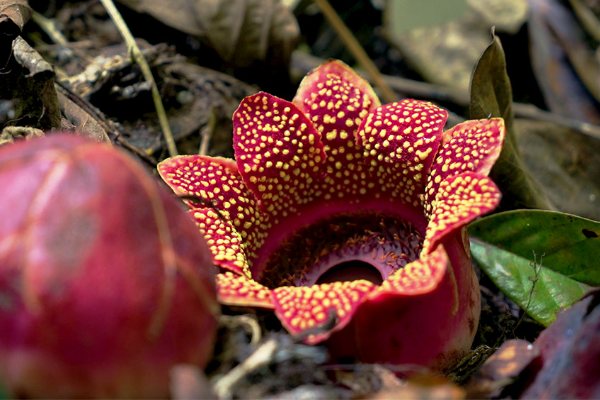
x=501, y=369
x=444, y=46
x=243, y=32
x=13, y=16
x=537, y=289
x=568, y=365
x=83, y=122
x=10, y=133
x=30, y=82
x=563, y=90
x=565, y=162
x=568, y=244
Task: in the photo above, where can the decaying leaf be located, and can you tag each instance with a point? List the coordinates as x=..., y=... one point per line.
x=12, y=133
x=446, y=53
x=420, y=386
x=242, y=32
x=565, y=162
x=569, y=355
x=491, y=96
x=562, y=363
x=83, y=122
x=13, y=16
x=565, y=69
x=29, y=81
x=501, y=369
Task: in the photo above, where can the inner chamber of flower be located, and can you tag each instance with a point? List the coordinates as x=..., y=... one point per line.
x=344, y=247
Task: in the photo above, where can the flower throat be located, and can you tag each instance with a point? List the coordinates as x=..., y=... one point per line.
x=348, y=246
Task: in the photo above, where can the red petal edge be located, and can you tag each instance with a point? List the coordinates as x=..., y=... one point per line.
x=470, y=146
x=237, y=290
x=224, y=241
x=460, y=200
x=302, y=308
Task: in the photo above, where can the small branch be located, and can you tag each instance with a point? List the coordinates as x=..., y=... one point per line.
x=206, y=133
x=537, y=268
x=146, y=72
x=356, y=49
x=260, y=358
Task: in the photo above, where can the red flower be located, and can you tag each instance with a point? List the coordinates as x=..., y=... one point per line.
x=339, y=206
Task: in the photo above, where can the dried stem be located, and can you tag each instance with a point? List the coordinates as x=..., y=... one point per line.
x=387, y=94
x=137, y=57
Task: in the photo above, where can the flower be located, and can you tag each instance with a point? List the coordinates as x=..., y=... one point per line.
x=339, y=207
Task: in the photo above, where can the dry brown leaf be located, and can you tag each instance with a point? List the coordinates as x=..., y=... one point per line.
x=83, y=122
x=565, y=162
x=29, y=82
x=446, y=54
x=242, y=32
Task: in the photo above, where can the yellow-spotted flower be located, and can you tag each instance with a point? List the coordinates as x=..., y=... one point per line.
x=339, y=207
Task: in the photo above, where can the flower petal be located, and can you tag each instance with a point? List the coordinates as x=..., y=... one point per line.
x=218, y=180
x=469, y=146
x=278, y=152
x=237, y=290
x=336, y=100
x=302, y=308
x=224, y=241
x=400, y=141
x=418, y=277
x=460, y=200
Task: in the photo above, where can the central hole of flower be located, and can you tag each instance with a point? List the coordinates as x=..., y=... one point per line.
x=351, y=271
x=344, y=247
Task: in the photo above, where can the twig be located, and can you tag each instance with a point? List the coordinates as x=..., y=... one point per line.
x=261, y=357
x=534, y=280
x=356, y=49
x=146, y=72
x=206, y=133
x=49, y=27
x=249, y=323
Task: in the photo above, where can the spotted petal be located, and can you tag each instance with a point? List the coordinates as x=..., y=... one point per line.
x=278, y=152
x=224, y=241
x=302, y=308
x=218, y=180
x=400, y=141
x=237, y=290
x=469, y=146
x=460, y=200
x=336, y=100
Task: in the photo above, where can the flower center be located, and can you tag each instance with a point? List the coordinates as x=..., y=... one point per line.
x=344, y=247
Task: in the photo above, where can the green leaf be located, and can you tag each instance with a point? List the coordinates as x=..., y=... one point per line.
x=515, y=276
x=570, y=244
x=491, y=96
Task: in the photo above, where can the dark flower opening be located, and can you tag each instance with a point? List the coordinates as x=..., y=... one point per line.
x=351, y=271
x=345, y=247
